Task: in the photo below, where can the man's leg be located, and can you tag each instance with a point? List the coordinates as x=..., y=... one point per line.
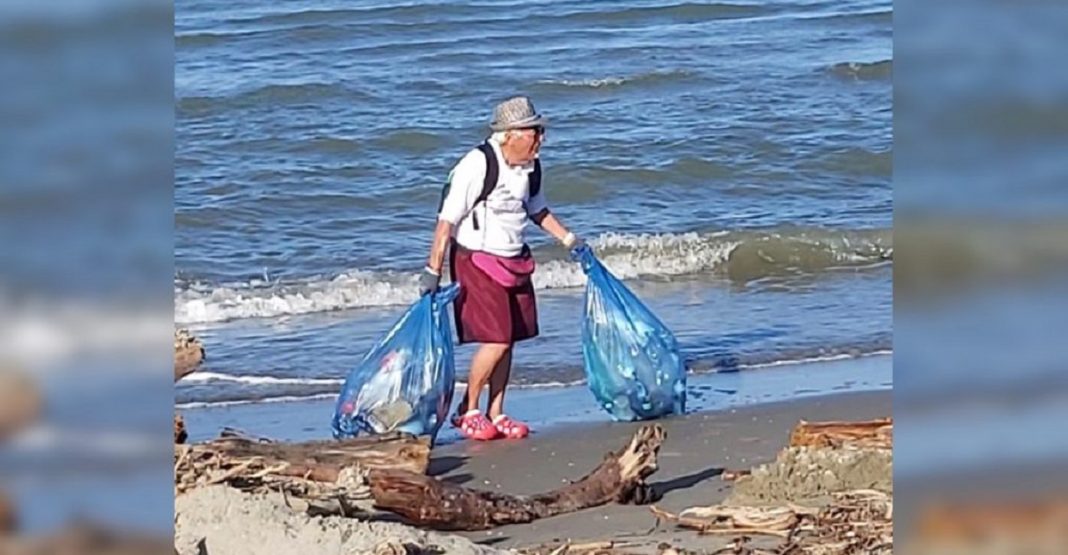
x=498, y=383
x=485, y=361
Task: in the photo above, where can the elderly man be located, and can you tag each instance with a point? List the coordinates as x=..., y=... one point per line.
x=492, y=193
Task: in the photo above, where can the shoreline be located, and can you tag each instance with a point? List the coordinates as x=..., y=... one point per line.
x=549, y=409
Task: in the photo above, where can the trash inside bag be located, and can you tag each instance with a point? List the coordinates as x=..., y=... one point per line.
x=406, y=382
x=633, y=363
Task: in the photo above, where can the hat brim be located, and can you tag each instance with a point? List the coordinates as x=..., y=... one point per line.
x=537, y=120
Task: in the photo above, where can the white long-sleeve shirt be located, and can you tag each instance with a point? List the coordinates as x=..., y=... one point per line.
x=504, y=215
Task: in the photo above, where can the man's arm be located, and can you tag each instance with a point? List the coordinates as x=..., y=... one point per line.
x=548, y=221
x=442, y=233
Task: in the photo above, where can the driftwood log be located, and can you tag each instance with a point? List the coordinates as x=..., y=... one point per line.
x=874, y=434
x=244, y=461
x=334, y=477
x=428, y=502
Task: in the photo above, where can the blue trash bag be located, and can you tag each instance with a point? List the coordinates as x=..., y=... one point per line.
x=633, y=364
x=406, y=382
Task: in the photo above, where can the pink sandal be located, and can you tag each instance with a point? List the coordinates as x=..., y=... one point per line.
x=511, y=429
x=474, y=425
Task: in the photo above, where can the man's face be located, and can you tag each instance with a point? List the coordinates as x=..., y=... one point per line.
x=526, y=143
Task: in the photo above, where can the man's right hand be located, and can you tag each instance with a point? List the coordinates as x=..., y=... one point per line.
x=429, y=281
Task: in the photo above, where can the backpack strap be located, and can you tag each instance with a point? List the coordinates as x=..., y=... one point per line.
x=535, y=178
x=489, y=181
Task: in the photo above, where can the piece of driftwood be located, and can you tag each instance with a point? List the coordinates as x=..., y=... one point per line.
x=188, y=353
x=586, y=548
x=248, y=463
x=425, y=501
x=859, y=521
x=732, y=475
x=336, y=477
x=876, y=434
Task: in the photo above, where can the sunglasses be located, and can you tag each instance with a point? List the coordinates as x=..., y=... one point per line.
x=539, y=130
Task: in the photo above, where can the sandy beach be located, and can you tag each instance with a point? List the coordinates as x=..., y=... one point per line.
x=697, y=449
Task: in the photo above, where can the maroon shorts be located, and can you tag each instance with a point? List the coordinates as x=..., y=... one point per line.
x=486, y=311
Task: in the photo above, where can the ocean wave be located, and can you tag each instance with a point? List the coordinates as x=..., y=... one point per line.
x=411, y=140
x=476, y=14
x=683, y=12
x=612, y=82
x=864, y=71
x=737, y=255
x=268, y=95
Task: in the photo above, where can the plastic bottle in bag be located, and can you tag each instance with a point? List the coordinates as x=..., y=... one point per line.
x=405, y=383
x=632, y=360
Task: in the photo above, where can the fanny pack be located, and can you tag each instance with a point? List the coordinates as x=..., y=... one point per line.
x=508, y=271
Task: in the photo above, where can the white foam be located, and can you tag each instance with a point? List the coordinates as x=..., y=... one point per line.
x=595, y=83
x=257, y=380
x=460, y=388
x=352, y=289
x=285, y=399
x=627, y=256
x=643, y=255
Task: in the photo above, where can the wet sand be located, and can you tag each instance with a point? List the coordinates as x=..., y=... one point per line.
x=698, y=448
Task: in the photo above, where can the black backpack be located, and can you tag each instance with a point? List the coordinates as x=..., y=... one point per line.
x=489, y=182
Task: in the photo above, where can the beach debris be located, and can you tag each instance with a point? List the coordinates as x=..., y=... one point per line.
x=395, y=547
x=316, y=477
x=611, y=547
x=858, y=521
x=774, y=521
x=424, y=501
x=338, y=477
x=873, y=434
x=829, y=492
x=188, y=353
x=732, y=475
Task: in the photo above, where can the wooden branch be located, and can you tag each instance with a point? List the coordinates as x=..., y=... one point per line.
x=322, y=461
x=858, y=521
x=877, y=434
x=425, y=501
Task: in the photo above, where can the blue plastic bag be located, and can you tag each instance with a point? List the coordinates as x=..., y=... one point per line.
x=406, y=382
x=632, y=359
